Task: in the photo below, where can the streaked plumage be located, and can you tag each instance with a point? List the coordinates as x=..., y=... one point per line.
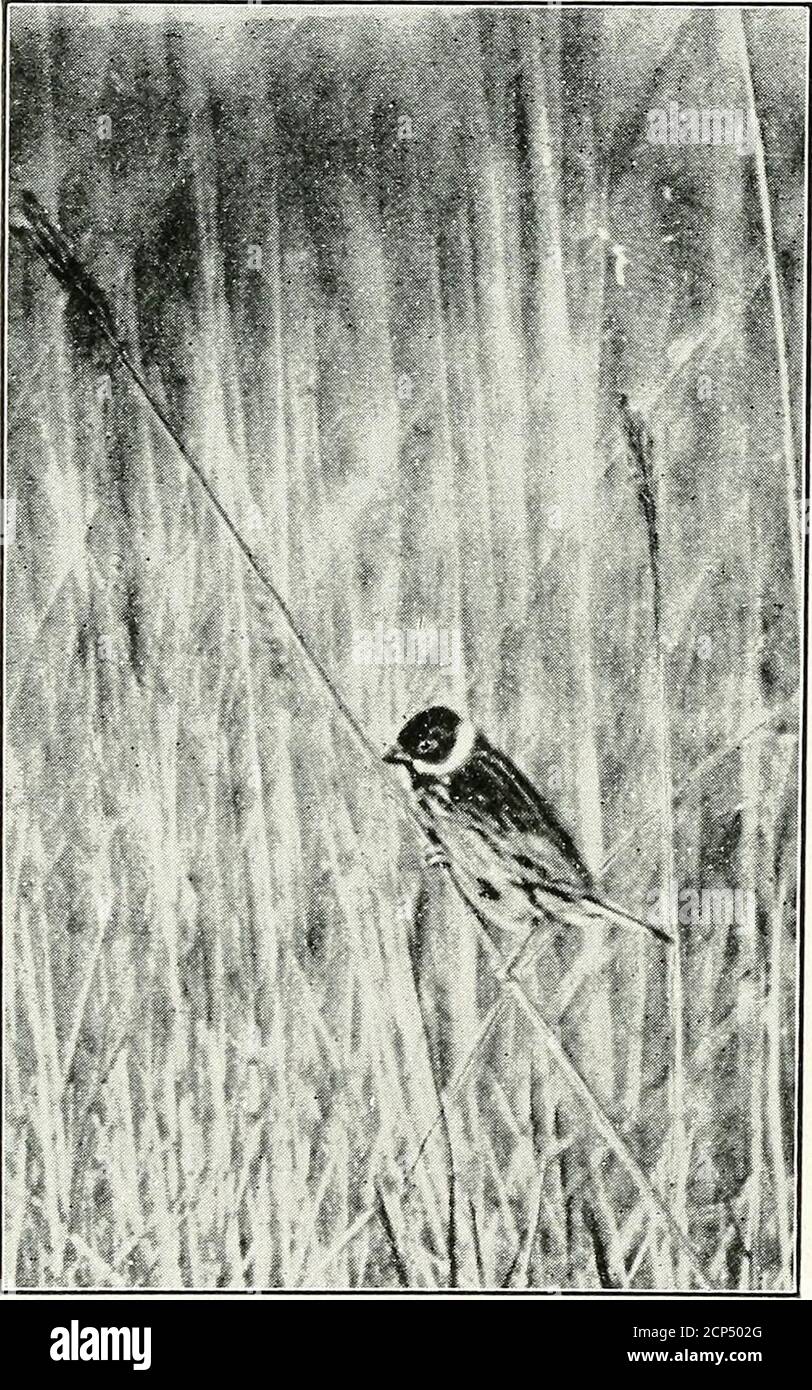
x=504, y=841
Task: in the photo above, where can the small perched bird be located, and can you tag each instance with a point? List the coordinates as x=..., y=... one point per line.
x=511, y=853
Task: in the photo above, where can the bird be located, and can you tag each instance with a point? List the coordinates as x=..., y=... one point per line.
x=512, y=856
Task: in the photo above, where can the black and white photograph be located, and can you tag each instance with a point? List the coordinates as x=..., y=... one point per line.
x=405, y=528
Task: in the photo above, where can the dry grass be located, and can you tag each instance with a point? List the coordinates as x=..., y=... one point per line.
x=250, y=1041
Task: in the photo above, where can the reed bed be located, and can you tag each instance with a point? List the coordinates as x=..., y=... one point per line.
x=457, y=346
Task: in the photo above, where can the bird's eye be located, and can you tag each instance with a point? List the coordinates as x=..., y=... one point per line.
x=425, y=745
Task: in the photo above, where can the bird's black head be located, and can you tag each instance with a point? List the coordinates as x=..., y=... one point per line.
x=429, y=737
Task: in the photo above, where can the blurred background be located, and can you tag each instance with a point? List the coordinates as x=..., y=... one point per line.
x=389, y=273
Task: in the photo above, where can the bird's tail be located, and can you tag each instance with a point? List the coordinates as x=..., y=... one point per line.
x=617, y=917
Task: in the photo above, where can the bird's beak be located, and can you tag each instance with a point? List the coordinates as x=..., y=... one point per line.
x=395, y=755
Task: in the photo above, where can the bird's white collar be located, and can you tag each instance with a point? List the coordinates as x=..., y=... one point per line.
x=460, y=753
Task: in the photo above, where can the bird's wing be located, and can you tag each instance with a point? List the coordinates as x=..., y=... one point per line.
x=511, y=856
x=504, y=806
